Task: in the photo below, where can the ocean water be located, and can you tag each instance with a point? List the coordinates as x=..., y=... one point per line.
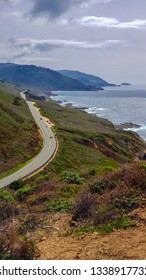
x=117, y=104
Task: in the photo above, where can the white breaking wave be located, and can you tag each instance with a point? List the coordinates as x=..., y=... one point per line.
x=136, y=129
x=94, y=110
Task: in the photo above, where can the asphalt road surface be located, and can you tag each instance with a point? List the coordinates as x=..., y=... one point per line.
x=43, y=157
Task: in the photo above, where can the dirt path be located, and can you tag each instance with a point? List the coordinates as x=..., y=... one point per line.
x=120, y=244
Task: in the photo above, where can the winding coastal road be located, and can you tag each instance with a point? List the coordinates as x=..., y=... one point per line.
x=45, y=154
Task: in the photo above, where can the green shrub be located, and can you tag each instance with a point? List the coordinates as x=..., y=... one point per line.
x=8, y=206
x=106, y=228
x=85, y=229
x=100, y=186
x=109, y=168
x=6, y=196
x=59, y=205
x=16, y=185
x=41, y=178
x=128, y=203
x=71, y=178
x=122, y=222
x=69, y=190
x=23, y=192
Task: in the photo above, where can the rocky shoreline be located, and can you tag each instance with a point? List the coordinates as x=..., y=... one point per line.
x=127, y=125
x=122, y=126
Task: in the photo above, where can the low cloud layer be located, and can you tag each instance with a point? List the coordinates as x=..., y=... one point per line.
x=28, y=44
x=93, y=21
x=23, y=48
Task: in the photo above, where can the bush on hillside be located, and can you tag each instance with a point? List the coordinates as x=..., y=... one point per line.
x=16, y=185
x=13, y=247
x=71, y=178
x=84, y=206
x=8, y=207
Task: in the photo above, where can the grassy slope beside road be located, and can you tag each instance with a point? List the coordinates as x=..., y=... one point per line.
x=19, y=137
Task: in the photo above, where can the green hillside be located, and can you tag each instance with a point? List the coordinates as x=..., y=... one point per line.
x=87, y=79
x=19, y=138
x=38, y=77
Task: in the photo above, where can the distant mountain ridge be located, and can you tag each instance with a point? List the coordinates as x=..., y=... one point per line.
x=38, y=77
x=87, y=79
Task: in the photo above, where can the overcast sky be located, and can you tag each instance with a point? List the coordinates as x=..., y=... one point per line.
x=106, y=38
